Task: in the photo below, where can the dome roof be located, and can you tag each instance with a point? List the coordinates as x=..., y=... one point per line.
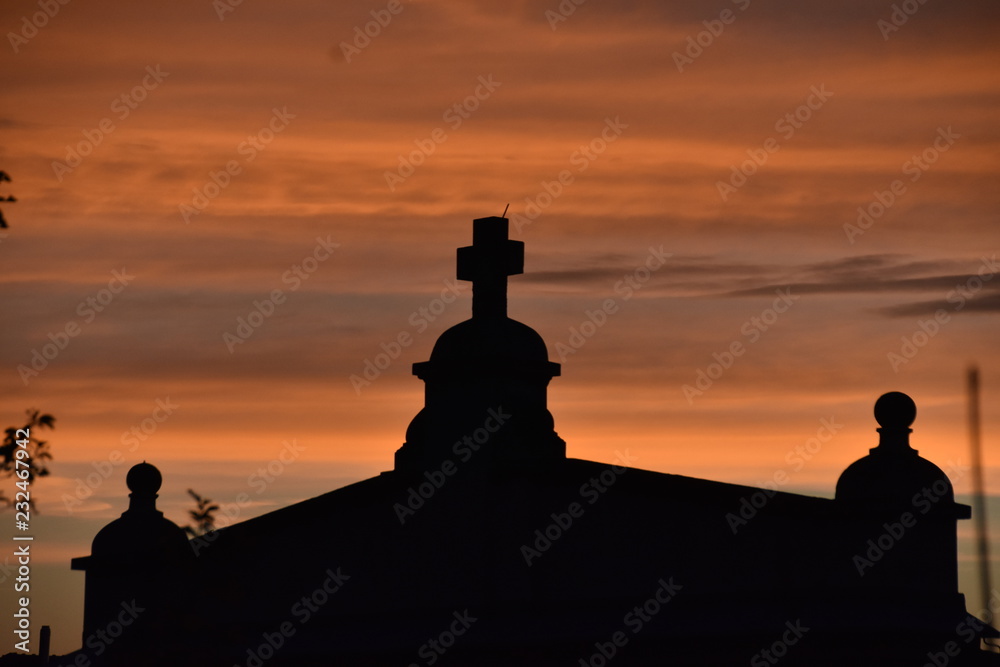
x=893, y=472
x=892, y=478
x=477, y=338
x=141, y=530
x=131, y=536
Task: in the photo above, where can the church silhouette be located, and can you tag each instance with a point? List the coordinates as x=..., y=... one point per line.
x=485, y=545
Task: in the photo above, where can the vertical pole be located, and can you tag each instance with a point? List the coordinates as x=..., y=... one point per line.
x=979, y=497
x=43, y=646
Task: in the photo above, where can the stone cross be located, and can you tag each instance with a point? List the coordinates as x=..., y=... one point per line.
x=487, y=263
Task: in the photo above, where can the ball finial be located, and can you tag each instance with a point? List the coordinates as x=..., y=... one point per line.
x=895, y=411
x=144, y=479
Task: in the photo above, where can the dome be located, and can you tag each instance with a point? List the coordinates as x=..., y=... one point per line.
x=505, y=339
x=148, y=536
x=892, y=479
x=141, y=530
x=893, y=473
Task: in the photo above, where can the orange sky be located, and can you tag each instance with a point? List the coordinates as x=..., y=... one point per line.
x=307, y=137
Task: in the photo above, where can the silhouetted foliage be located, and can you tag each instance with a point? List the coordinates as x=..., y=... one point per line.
x=5, y=178
x=203, y=515
x=34, y=458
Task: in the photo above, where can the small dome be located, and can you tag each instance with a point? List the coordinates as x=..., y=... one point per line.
x=476, y=338
x=893, y=472
x=147, y=536
x=892, y=479
x=141, y=531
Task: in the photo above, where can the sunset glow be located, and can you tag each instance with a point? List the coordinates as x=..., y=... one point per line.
x=178, y=163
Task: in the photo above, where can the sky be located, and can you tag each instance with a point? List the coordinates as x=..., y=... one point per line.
x=744, y=221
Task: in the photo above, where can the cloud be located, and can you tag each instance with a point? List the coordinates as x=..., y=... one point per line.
x=867, y=274
x=965, y=303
